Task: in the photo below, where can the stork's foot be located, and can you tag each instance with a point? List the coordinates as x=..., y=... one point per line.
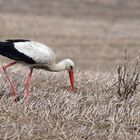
x=18, y=98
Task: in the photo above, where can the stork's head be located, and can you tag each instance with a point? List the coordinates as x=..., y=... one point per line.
x=69, y=66
x=66, y=64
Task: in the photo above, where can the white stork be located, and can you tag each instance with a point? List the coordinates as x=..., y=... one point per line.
x=35, y=55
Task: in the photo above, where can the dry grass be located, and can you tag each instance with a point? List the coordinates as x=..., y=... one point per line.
x=94, y=33
x=95, y=111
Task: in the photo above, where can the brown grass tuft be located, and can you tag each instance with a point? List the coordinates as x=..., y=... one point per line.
x=128, y=80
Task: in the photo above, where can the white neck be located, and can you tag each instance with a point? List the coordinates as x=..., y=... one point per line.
x=61, y=66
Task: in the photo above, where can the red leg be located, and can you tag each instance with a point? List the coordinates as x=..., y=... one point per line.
x=28, y=83
x=1, y=69
x=8, y=65
x=4, y=69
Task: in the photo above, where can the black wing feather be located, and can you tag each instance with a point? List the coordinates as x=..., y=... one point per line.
x=7, y=49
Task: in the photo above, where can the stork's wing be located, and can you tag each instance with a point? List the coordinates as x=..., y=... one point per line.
x=40, y=53
x=7, y=50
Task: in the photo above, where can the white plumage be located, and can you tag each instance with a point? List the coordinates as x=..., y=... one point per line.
x=39, y=52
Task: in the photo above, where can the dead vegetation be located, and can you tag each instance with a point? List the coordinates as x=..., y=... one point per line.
x=128, y=80
x=94, y=34
x=54, y=112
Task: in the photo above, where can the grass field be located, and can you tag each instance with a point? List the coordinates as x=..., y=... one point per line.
x=94, y=34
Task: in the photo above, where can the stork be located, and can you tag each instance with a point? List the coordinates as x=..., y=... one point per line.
x=37, y=56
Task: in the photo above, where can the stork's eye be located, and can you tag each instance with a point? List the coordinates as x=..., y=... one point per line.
x=71, y=67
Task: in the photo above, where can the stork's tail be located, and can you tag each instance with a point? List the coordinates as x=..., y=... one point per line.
x=3, y=46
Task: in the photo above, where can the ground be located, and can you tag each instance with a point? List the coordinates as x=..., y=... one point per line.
x=95, y=35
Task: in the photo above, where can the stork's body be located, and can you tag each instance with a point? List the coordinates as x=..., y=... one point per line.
x=35, y=55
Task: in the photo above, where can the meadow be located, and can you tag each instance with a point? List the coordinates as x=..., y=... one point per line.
x=95, y=35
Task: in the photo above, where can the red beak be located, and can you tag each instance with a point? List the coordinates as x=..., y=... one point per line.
x=71, y=75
